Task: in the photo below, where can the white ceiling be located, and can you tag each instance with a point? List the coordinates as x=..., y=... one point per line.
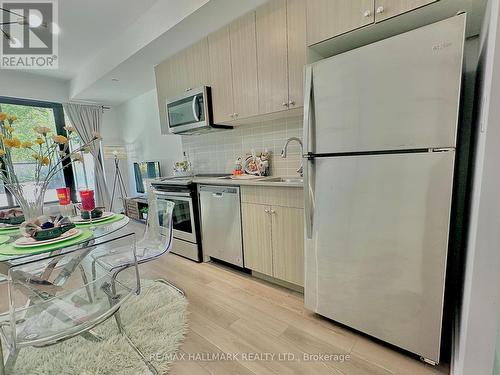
x=124, y=39
x=88, y=27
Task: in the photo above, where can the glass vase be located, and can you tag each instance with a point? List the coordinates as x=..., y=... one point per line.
x=30, y=197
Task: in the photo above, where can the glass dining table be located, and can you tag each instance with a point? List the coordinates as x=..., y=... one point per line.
x=12, y=256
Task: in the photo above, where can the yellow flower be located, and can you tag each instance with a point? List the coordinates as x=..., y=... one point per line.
x=26, y=144
x=43, y=130
x=14, y=142
x=9, y=128
x=3, y=116
x=61, y=139
x=12, y=118
x=44, y=161
x=2, y=152
x=70, y=129
x=39, y=141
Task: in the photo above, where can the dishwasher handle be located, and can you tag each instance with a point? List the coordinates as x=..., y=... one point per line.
x=219, y=191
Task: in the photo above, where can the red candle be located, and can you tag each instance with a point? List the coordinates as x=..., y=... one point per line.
x=63, y=196
x=88, y=203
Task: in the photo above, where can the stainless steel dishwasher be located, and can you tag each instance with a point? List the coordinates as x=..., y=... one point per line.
x=221, y=223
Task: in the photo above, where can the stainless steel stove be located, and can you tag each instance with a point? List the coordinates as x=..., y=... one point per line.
x=186, y=217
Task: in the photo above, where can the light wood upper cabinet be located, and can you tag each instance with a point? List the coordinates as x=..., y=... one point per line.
x=197, y=65
x=296, y=30
x=288, y=244
x=244, y=66
x=257, y=246
x=186, y=70
x=329, y=18
x=385, y=9
x=272, y=67
x=170, y=76
x=221, y=80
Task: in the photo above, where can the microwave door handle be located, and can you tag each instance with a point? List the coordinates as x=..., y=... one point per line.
x=195, y=108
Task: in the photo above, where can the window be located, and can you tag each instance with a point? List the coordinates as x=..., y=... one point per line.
x=83, y=173
x=30, y=114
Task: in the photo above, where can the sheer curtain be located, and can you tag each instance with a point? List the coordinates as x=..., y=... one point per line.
x=87, y=120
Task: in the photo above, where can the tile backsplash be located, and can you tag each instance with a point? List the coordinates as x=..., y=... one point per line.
x=218, y=151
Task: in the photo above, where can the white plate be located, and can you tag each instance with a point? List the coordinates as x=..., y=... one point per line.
x=31, y=242
x=79, y=220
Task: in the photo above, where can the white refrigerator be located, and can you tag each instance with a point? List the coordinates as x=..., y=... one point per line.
x=380, y=131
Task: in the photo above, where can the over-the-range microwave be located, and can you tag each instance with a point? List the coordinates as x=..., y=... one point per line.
x=191, y=113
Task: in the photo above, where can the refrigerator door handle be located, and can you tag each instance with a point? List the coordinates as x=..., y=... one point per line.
x=309, y=195
x=308, y=162
x=308, y=86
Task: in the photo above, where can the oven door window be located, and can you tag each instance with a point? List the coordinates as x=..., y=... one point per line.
x=181, y=216
x=186, y=111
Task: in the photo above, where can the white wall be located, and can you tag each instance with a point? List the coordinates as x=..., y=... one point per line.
x=481, y=300
x=136, y=125
x=24, y=85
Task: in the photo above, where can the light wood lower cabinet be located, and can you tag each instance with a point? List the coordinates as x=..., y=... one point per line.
x=257, y=244
x=288, y=244
x=273, y=235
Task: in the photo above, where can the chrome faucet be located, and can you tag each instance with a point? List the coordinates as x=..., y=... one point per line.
x=284, y=153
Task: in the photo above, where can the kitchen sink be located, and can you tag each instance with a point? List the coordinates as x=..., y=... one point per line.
x=294, y=180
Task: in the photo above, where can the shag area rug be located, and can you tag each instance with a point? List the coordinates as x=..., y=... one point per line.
x=155, y=321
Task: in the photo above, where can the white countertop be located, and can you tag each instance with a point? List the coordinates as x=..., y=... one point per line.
x=292, y=182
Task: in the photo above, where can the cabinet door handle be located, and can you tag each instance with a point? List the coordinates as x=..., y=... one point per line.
x=291, y=102
x=235, y=115
x=266, y=211
x=367, y=13
x=273, y=212
x=188, y=89
x=380, y=10
x=284, y=104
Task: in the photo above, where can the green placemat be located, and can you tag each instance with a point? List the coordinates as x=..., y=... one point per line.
x=112, y=219
x=4, y=238
x=9, y=231
x=9, y=249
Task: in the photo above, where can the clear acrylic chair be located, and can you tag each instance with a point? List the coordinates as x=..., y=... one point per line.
x=157, y=239
x=51, y=299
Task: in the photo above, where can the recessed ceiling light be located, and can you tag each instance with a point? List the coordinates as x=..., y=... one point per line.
x=115, y=79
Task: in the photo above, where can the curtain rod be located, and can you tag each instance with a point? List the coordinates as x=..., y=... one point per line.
x=104, y=107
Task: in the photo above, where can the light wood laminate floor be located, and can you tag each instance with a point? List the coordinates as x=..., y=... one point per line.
x=232, y=312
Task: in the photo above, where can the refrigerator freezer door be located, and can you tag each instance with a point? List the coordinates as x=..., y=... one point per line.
x=399, y=93
x=377, y=258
